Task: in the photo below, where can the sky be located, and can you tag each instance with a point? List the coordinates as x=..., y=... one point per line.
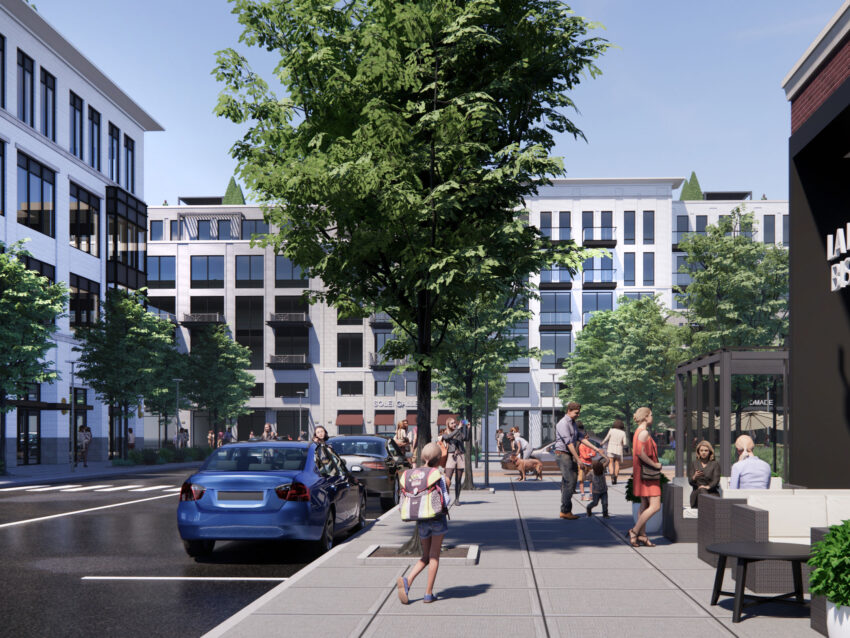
x=687, y=86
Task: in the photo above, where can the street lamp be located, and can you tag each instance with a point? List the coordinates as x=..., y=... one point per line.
x=554, y=398
x=300, y=394
x=487, y=432
x=176, y=407
x=72, y=437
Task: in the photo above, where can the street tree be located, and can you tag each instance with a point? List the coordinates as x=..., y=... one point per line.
x=119, y=353
x=623, y=359
x=162, y=396
x=29, y=307
x=217, y=379
x=397, y=166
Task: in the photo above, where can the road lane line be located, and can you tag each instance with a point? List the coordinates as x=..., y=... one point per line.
x=14, y=489
x=173, y=489
x=54, y=487
x=120, y=487
x=202, y=578
x=89, y=509
x=86, y=488
x=152, y=488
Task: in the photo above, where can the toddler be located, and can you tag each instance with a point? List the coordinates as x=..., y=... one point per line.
x=598, y=486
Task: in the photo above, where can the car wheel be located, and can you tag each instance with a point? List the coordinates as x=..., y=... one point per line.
x=326, y=540
x=198, y=549
x=361, y=514
x=391, y=501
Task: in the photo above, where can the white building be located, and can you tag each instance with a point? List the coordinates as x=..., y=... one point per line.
x=72, y=183
x=201, y=269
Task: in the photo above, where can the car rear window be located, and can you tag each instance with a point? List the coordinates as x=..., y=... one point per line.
x=354, y=447
x=256, y=459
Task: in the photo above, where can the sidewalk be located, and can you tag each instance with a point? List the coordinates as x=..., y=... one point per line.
x=536, y=575
x=36, y=474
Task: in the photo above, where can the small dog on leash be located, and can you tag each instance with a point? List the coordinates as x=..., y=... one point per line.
x=528, y=465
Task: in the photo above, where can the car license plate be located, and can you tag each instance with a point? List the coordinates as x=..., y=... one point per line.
x=240, y=496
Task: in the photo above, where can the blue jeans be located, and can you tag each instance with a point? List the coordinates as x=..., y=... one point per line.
x=603, y=496
x=569, y=473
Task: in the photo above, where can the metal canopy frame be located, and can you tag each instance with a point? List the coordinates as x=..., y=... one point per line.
x=721, y=365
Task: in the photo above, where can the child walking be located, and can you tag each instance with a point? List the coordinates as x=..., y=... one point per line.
x=431, y=533
x=598, y=486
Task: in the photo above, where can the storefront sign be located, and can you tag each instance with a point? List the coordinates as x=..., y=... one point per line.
x=389, y=403
x=836, y=248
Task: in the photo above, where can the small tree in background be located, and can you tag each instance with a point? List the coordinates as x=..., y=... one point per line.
x=217, y=378
x=691, y=189
x=233, y=195
x=161, y=398
x=29, y=307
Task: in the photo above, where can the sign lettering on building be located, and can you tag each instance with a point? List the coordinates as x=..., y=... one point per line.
x=836, y=249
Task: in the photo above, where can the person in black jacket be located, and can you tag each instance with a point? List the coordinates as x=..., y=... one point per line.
x=706, y=475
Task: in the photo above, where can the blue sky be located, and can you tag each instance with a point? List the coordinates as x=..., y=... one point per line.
x=689, y=86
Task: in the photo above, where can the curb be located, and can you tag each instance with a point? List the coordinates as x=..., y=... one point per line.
x=9, y=480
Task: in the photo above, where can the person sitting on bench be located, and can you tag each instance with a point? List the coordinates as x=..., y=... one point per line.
x=750, y=472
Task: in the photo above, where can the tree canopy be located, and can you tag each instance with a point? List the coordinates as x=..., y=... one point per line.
x=397, y=166
x=233, y=195
x=691, y=189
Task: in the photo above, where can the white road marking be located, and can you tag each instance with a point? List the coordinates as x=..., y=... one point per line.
x=173, y=490
x=86, y=488
x=13, y=489
x=89, y=509
x=202, y=578
x=152, y=488
x=53, y=487
x=120, y=487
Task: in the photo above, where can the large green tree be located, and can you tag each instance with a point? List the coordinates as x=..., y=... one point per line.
x=623, y=359
x=217, y=378
x=120, y=353
x=396, y=167
x=29, y=307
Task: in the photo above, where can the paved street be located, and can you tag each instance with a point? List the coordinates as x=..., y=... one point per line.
x=109, y=561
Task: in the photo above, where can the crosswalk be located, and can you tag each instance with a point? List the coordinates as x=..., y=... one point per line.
x=100, y=487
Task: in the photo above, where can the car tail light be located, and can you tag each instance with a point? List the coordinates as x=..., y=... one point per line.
x=374, y=465
x=191, y=492
x=293, y=492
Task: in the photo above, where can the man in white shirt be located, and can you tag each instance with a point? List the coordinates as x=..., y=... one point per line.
x=750, y=472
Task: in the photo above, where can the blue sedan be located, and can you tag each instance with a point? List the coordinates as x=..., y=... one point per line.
x=269, y=490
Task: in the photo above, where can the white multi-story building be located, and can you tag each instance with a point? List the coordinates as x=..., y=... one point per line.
x=202, y=269
x=71, y=183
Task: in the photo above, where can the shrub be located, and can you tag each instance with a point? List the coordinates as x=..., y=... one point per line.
x=167, y=455
x=123, y=462
x=630, y=495
x=180, y=454
x=830, y=564
x=137, y=456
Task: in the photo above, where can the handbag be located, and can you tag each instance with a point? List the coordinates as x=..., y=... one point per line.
x=648, y=473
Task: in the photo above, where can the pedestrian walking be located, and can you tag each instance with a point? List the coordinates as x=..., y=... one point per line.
x=131, y=439
x=85, y=440
x=455, y=438
x=616, y=441
x=431, y=533
x=500, y=441
x=566, y=454
x=586, y=452
x=646, y=476
x=599, y=486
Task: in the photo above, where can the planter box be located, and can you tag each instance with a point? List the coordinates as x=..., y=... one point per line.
x=837, y=621
x=654, y=524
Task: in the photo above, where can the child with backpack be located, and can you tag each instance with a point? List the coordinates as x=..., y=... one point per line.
x=425, y=499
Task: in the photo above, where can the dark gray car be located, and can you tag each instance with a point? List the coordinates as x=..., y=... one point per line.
x=374, y=461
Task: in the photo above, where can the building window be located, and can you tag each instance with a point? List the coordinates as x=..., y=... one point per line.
x=786, y=230
x=547, y=388
x=206, y=305
x=224, y=230
x=555, y=308
x=649, y=269
x=349, y=348
x=592, y=302
x=258, y=392
x=254, y=227
x=648, y=227
x=126, y=232
x=94, y=139
x=565, y=231
x=559, y=345
x=249, y=271
x=156, y=230
x=163, y=307
x=42, y=268
x=410, y=388
x=515, y=390
x=702, y=224
x=587, y=225
x=36, y=196
x=287, y=274
x=84, y=301
x=292, y=340
x=207, y=271
x=342, y=320
x=114, y=152
x=204, y=230
x=26, y=89
x=769, y=229
x=76, y=125
x=161, y=272
x=85, y=220
x=249, y=328
x=598, y=270
x=2, y=176
x=381, y=338
x=514, y=418
x=129, y=164
x=48, y=105
x=519, y=334
x=634, y=296
x=291, y=390
x=681, y=232
x=349, y=388
x=607, y=228
x=546, y=225
x=555, y=274
x=384, y=388
x=175, y=230
x=681, y=278
x=629, y=227
x=628, y=269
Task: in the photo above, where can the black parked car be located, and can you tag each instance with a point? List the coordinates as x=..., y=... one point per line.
x=375, y=461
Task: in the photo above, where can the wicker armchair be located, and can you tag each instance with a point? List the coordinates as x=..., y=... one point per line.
x=676, y=527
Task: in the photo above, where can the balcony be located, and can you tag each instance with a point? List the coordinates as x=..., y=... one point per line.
x=380, y=320
x=558, y=235
x=681, y=235
x=377, y=361
x=198, y=319
x=556, y=321
x=599, y=237
x=162, y=314
x=286, y=319
x=585, y=316
x=555, y=278
x=289, y=362
x=599, y=279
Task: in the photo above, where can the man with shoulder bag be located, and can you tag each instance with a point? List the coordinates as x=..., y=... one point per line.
x=566, y=454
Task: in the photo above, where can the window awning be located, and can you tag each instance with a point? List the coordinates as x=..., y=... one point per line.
x=442, y=418
x=384, y=419
x=411, y=418
x=349, y=419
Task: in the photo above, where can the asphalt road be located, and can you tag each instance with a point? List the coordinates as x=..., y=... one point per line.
x=120, y=569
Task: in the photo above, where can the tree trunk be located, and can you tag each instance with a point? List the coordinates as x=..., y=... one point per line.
x=125, y=413
x=3, y=430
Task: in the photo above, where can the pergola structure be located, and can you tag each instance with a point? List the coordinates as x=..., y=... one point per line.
x=711, y=375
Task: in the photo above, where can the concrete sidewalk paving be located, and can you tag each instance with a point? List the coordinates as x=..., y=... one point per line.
x=536, y=575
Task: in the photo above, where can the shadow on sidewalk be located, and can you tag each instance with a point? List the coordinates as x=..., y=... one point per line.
x=465, y=591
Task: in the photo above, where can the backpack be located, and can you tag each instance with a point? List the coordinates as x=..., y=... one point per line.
x=421, y=496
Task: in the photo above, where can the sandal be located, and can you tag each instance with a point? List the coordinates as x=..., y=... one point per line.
x=429, y=598
x=644, y=540
x=633, y=538
x=403, y=589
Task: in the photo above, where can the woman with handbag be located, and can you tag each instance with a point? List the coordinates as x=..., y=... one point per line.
x=646, y=477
